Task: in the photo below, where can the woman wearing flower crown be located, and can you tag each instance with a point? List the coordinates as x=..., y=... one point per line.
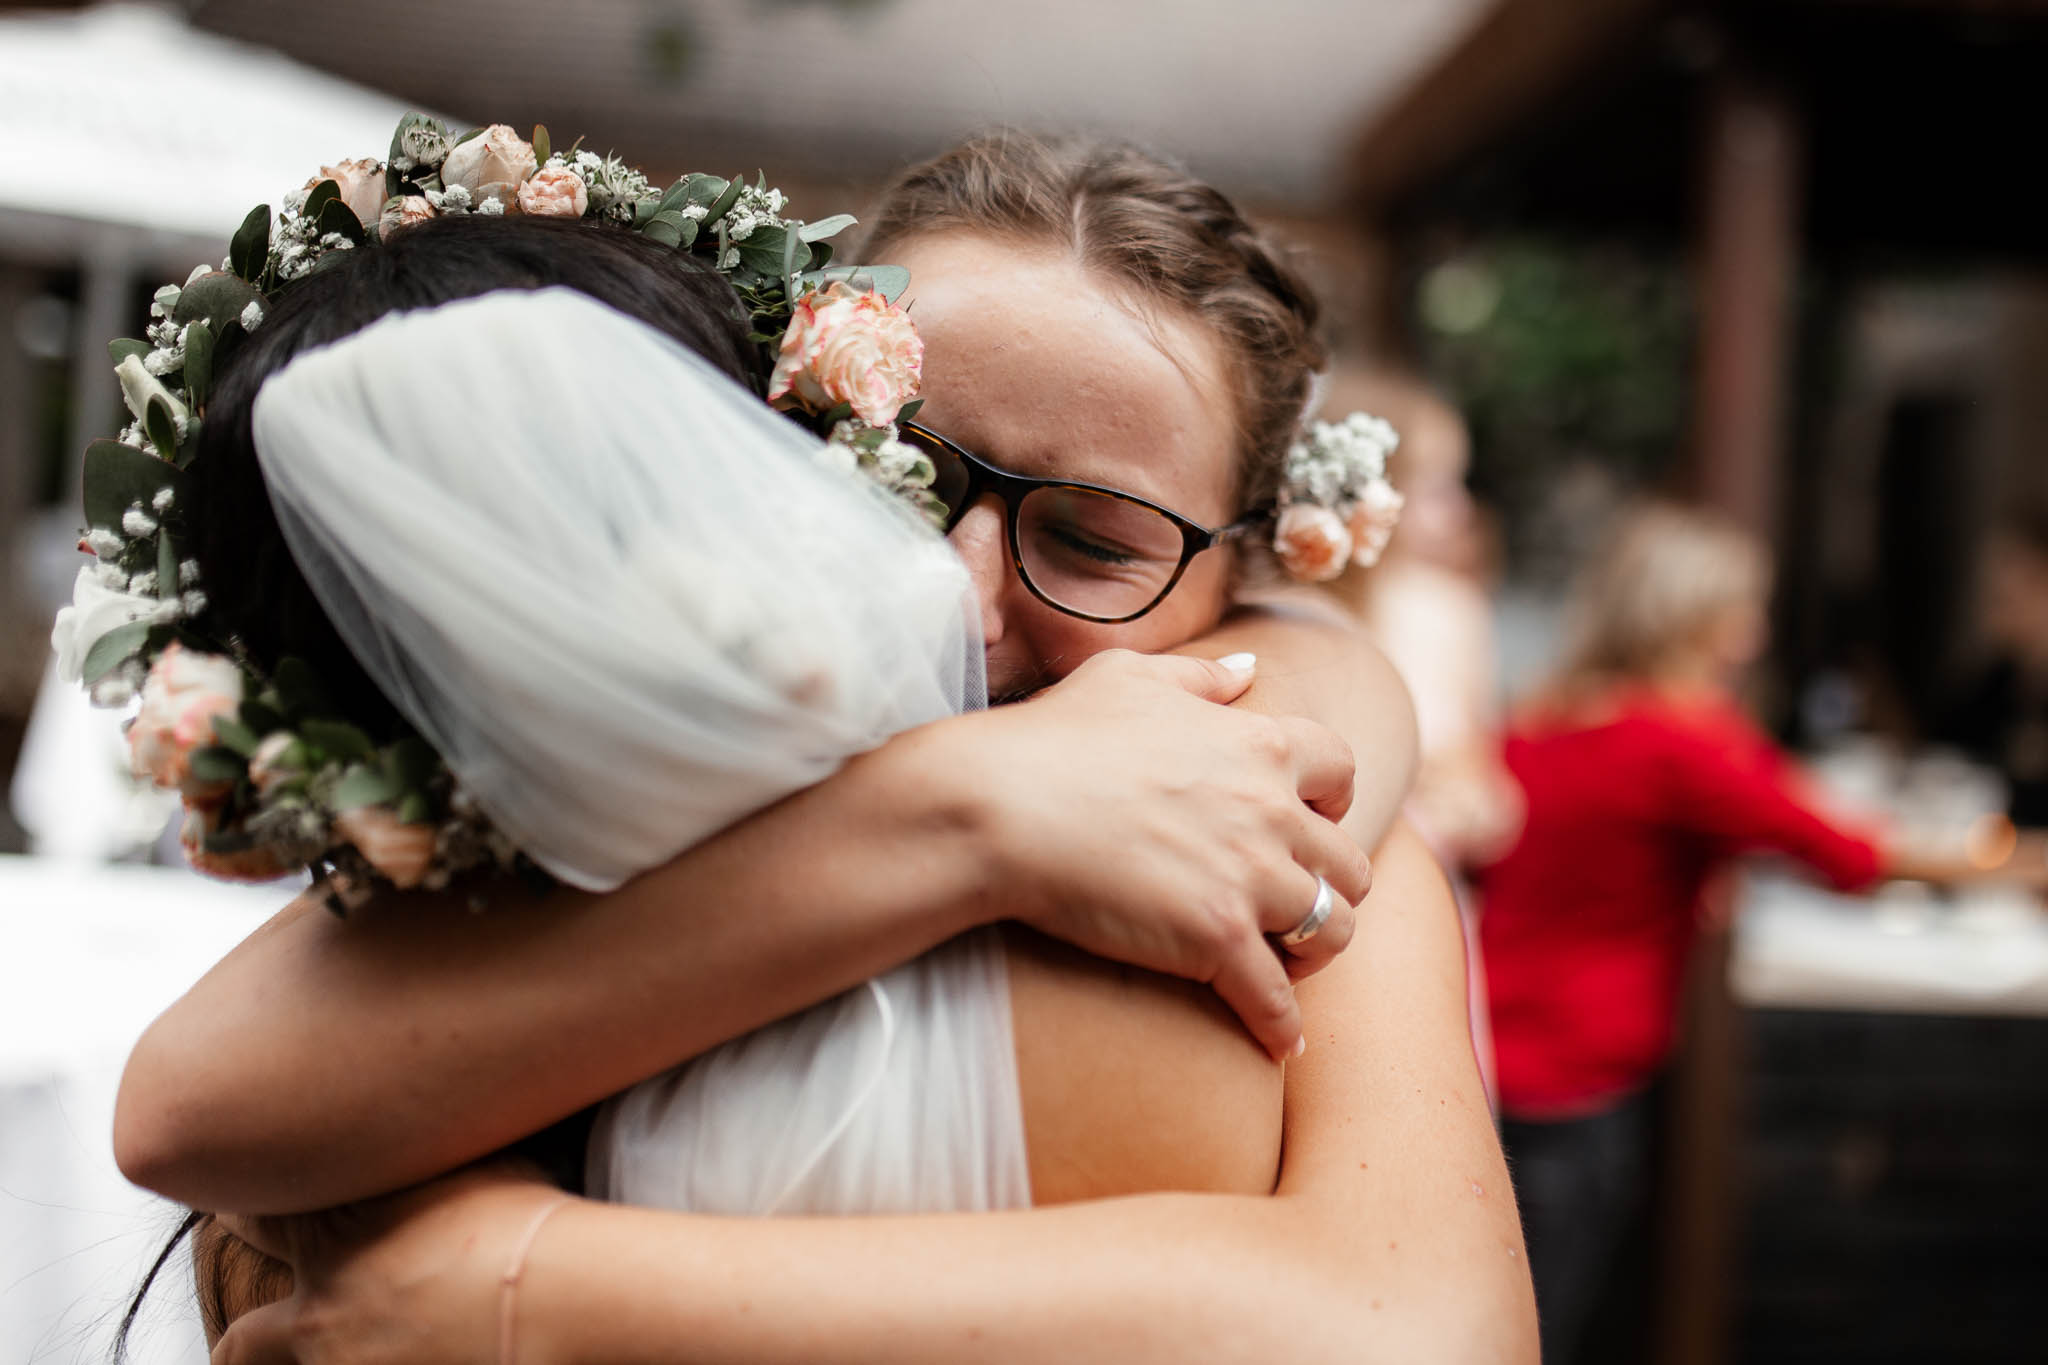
x=1153, y=360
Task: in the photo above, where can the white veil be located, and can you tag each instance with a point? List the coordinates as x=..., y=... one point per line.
x=627, y=602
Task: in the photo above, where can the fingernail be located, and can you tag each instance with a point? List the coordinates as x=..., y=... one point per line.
x=1300, y=1045
x=1239, y=663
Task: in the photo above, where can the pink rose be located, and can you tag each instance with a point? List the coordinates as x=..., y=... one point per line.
x=554, y=193
x=362, y=187
x=1312, y=542
x=401, y=852
x=403, y=213
x=491, y=165
x=1373, y=520
x=185, y=691
x=263, y=863
x=847, y=345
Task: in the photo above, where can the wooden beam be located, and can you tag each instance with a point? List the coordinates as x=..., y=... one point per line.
x=1521, y=53
x=1748, y=256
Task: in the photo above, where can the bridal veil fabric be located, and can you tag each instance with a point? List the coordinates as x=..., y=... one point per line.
x=624, y=599
x=629, y=604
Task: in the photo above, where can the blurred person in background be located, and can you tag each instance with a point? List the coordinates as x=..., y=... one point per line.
x=2001, y=719
x=1643, y=779
x=1425, y=604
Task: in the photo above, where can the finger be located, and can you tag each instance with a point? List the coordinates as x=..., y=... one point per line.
x=1328, y=852
x=1324, y=767
x=262, y=1336
x=1254, y=984
x=1221, y=680
x=1305, y=957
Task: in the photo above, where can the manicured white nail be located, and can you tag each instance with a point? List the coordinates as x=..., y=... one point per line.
x=1239, y=663
x=1301, y=1045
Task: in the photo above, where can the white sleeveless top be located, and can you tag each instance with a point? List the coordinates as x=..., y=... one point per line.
x=899, y=1096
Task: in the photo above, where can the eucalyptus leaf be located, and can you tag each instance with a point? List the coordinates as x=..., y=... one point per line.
x=161, y=427
x=665, y=233
x=827, y=227
x=198, y=363
x=127, y=346
x=644, y=211
x=337, y=739
x=689, y=231
x=909, y=410
x=113, y=649
x=542, y=148
x=887, y=280
x=318, y=198
x=166, y=566
x=365, y=786
x=764, y=251
x=188, y=447
x=217, y=763
x=472, y=133
x=821, y=255
x=705, y=189
x=792, y=244
x=723, y=204
x=674, y=197
x=235, y=735
x=119, y=476
x=838, y=412
x=249, y=251
x=218, y=300
x=413, y=809
x=338, y=217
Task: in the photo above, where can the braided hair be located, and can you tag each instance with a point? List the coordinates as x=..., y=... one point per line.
x=1151, y=227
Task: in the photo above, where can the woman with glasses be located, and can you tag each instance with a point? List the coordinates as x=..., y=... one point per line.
x=1114, y=365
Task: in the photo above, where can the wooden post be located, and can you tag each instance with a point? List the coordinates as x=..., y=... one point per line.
x=1749, y=225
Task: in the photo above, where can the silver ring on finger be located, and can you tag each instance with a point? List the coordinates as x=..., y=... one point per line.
x=1317, y=916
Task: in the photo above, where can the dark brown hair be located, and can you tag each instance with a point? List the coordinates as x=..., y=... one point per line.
x=1150, y=227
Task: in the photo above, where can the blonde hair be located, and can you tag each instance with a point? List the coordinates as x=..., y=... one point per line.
x=1666, y=575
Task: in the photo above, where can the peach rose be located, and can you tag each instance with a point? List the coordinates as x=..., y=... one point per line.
x=1373, y=520
x=183, y=694
x=263, y=863
x=361, y=183
x=403, y=213
x=277, y=760
x=400, y=851
x=1312, y=542
x=847, y=345
x=491, y=165
x=554, y=193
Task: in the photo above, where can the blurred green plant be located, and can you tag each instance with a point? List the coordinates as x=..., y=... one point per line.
x=1561, y=356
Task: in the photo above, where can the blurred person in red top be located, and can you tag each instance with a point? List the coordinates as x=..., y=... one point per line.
x=1642, y=778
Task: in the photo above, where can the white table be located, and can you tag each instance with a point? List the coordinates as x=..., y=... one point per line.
x=1797, y=946
x=90, y=954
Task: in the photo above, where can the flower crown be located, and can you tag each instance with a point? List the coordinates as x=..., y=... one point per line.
x=1336, y=506
x=273, y=777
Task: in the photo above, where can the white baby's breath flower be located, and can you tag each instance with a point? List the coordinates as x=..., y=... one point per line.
x=334, y=241
x=118, y=687
x=193, y=602
x=199, y=272
x=137, y=522
x=728, y=258
x=112, y=576
x=161, y=363
x=132, y=435
x=491, y=208
x=454, y=199
x=696, y=213
x=143, y=584
x=161, y=503
x=103, y=542
x=188, y=571
x=252, y=316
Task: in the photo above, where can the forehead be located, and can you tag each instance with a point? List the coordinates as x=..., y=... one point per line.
x=1035, y=364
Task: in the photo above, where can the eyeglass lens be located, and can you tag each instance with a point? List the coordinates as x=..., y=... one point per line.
x=1093, y=553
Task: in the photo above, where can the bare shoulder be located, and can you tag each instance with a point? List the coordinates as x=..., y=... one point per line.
x=1330, y=671
x=1134, y=1082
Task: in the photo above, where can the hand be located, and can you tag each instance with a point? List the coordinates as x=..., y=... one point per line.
x=1137, y=816
x=410, y=1279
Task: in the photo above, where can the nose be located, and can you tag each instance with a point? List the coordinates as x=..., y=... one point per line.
x=978, y=539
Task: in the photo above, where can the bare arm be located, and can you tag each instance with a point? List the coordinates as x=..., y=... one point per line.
x=327, y=1060
x=1392, y=1236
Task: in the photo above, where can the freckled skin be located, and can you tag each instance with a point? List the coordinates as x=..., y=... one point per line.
x=1037, y=366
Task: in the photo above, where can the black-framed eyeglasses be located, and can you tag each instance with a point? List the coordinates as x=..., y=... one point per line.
x=1092, y=552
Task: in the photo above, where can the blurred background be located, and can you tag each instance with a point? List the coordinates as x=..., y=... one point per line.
x=1784, y=261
